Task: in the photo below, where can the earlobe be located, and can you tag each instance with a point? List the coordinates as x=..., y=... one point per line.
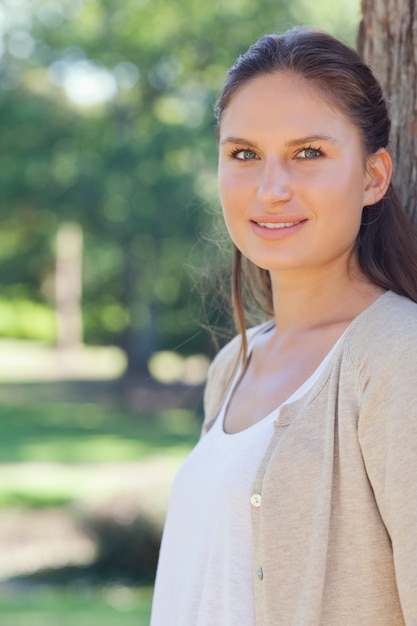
x=379, y=171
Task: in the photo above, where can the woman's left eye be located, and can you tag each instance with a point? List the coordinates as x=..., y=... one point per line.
x=309, y=153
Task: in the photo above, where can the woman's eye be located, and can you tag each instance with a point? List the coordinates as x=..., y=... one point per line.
x=309, y=153
x=244, y=155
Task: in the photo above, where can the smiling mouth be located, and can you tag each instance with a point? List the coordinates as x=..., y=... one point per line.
x=275, y=226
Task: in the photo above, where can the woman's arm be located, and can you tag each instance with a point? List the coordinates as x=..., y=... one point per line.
x=388, y=437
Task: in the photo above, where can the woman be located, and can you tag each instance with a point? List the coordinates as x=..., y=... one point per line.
x=299, y=504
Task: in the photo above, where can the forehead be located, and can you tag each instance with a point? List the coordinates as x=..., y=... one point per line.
x=282, y=101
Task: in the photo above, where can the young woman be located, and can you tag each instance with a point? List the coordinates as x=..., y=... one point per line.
x=298, y=507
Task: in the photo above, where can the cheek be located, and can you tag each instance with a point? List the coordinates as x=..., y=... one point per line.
x=232, y=204
x=230, y=188
x=222, y=180
x=344, y=188
x=236, y=181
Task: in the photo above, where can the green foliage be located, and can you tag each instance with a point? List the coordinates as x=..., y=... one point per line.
x=26, y=319
x=136, y=170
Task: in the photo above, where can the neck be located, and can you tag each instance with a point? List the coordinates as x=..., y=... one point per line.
x=304, y=301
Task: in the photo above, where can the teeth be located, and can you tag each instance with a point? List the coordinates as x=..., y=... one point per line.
x=274, y=225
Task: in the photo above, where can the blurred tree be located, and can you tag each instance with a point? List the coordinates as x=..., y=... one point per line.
x=106, y=121
x=387, y=40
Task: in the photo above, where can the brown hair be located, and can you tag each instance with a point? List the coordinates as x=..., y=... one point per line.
x=387, y=239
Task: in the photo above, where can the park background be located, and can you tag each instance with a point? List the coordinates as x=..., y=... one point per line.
x=111, y=249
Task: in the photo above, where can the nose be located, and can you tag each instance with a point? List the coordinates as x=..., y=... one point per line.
x=274, y=183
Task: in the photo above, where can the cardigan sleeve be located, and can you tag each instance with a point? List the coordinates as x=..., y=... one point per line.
x=387, y=431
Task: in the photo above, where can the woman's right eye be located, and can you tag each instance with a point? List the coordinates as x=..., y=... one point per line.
x=243, y=155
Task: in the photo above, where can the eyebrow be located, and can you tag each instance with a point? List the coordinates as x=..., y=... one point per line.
x=290, y=144
x=246, y=142
x=310, y=138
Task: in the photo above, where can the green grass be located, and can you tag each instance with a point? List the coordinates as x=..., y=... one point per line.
x=44, y=498
x=68, y=432
x=111, y=606
x=72, y=446
x=48, y=450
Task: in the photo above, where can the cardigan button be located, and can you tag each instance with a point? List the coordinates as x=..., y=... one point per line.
x=260, y=573
x=255, y=499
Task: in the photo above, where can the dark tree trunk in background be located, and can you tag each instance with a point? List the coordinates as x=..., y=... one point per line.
x=139, y=340
x=387, y=41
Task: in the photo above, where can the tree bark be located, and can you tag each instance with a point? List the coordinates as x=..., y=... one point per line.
x=387, y=41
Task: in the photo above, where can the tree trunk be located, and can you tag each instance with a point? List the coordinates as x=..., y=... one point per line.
x=387, y=41
x=68, y=285
x=139, y=339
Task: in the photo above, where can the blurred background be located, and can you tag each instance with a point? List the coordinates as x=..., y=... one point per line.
x=110, y=249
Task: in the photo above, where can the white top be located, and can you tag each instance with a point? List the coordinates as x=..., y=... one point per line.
x=205, y=572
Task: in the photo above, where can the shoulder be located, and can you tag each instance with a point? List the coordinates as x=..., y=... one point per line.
x=389, y=319
x=385, y=333
x=221, y=372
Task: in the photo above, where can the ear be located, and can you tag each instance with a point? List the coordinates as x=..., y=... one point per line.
x=378, y=176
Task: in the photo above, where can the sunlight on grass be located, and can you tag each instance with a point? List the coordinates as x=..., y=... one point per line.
x=31, y=361
x=39, y=485
x=98, y=448
x=52, y=454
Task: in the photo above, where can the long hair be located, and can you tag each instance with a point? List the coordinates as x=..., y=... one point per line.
x=387, y=240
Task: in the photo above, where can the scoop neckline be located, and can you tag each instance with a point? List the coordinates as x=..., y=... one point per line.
x=325, y=362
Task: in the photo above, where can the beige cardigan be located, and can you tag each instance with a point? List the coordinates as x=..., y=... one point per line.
x=335, y=526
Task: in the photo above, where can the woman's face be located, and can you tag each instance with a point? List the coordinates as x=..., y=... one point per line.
x=292, y=178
